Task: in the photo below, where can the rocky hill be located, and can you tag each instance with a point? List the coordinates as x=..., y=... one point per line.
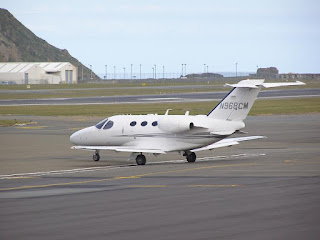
x=19, y=44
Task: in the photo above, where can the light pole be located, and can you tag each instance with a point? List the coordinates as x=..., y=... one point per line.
x=155, y=71
x=131, y=71
x=106, y=71
x=82, y=72
x=114, y=72
x=90, y=71
x=163, y=71
x=207, y=69
x=140, y=71
x=124, y=73
x=182, y=70
x=152, y=72
x=204, y=68
x=236, y=69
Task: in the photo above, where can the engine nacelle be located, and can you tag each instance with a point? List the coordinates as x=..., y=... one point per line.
x=174, y=124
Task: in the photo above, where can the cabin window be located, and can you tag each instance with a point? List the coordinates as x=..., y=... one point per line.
x=133, y=123
x=100, y=124
x=108, y=125
x=144, y=123
x=155, y=123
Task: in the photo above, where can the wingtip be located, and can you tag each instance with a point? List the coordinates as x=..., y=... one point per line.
x=300, y=83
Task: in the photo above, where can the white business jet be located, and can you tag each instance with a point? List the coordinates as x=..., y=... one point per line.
x=185, y=134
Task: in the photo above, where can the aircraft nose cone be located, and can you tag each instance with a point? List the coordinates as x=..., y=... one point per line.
x=74, y=138
x=81, y=137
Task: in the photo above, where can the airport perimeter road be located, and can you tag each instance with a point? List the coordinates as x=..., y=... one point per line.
x=167, y=87
x=176, y=97
x=264, y=189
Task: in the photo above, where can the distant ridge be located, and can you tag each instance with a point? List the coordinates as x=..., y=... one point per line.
x=19, y=44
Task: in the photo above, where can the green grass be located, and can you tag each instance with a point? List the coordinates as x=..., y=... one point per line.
x=8, y=123
x=107, y=84
x=261, y=107
x=286, y=106
x=102, y=92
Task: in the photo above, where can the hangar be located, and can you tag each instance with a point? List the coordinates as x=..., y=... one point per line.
x=38, y=73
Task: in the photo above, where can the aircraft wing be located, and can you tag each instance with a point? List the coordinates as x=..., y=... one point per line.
x=222, y=133
x=131, y=149
x=227, y=142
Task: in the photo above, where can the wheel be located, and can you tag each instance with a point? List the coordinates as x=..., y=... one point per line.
x=141, y=159
x=96, y=157
x=191, y=157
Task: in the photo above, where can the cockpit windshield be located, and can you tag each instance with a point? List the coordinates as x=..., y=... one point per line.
x=100, y=124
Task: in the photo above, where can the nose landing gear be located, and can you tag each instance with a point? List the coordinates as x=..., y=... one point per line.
x=96, y=156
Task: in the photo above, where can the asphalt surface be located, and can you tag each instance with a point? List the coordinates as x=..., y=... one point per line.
x=263, y=189
x=176, y=97
x=108, y=88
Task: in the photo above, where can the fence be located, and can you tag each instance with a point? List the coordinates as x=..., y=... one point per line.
x=159, y=75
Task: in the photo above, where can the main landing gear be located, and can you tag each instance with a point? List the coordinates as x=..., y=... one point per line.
x=141, y=159
x=190, y=156
x=96, y=156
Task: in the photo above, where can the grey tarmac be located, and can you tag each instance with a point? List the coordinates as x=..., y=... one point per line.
x=264, y=189
x=155, y=98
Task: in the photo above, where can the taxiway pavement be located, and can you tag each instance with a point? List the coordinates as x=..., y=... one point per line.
x=264, y=189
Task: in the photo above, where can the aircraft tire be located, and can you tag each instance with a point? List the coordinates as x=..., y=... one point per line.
x=141, y=160
x=191, y=157
x=96, y=157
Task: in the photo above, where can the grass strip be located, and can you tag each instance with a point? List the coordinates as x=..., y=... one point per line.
x=13, y=122
x=107, y=84
x=104, y=92
x=261, y=107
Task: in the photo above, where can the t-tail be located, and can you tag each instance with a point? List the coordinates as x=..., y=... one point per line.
x=238, y=102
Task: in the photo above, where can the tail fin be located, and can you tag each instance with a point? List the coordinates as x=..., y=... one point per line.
x=237, y=104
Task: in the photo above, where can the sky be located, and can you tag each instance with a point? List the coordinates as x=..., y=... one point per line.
x=220, y=34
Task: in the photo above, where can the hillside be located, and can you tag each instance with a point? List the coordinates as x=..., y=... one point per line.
x=19, y=44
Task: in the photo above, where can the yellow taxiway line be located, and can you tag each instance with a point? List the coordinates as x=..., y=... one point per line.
x=126, y=177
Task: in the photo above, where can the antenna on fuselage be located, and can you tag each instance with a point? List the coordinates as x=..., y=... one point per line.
x=167, y=112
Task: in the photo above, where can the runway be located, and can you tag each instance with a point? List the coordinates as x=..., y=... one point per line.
x=176, y=97
x=264, y=189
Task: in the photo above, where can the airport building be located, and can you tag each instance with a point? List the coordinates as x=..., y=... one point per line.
x=38, y=73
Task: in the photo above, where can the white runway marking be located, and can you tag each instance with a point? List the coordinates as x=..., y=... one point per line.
x=92, y=169
x=57, y=172
x=157, y=99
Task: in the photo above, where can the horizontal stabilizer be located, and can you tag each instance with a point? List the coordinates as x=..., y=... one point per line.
x=280, y=84
x=227, y=143
x=242, y=85
x=254, y=83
